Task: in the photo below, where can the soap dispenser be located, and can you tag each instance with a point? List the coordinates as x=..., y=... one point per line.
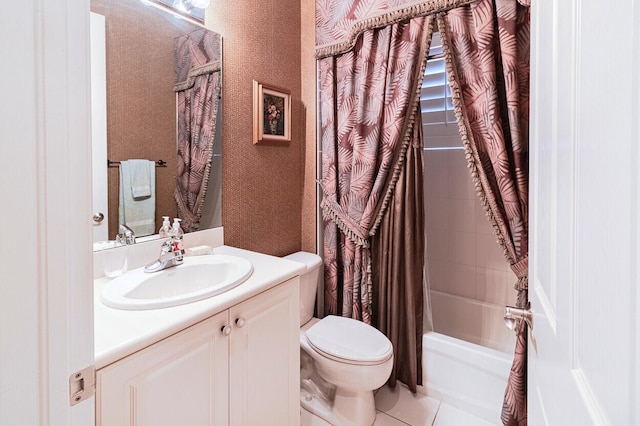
x=165, y=229
x=177, y=232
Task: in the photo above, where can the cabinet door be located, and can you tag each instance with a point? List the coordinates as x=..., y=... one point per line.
x=181, y=380
x=264, y=367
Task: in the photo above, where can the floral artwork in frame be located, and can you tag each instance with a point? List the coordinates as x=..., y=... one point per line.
x=271, y=113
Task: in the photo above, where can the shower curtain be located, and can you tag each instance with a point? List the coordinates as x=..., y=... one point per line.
x=398, y=291
x=198, y=88
x=369, y=101
x=486, y=47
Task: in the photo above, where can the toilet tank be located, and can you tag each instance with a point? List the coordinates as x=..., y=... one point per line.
x=308, y=282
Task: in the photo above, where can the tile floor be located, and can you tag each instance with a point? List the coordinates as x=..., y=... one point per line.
x=400, y=407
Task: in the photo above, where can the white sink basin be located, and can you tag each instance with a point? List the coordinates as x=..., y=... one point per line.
x=199, y=277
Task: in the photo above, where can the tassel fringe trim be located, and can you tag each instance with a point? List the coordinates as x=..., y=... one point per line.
x=330, y=214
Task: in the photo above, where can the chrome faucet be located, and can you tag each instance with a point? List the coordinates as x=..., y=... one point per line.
x=171, y=254
x=126, y=235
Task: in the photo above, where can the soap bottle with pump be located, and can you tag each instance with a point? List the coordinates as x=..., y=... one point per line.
x=165, y=229
x=177, y=233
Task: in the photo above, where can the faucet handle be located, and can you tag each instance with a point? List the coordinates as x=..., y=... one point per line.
x=126, y=235
x=173, y=244
x=167, y=247
x=171, y=254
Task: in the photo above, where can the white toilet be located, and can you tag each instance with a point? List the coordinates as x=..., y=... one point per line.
x=342, y=360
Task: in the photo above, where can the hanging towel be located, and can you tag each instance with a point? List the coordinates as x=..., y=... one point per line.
x=137, y=206
x=141, y=173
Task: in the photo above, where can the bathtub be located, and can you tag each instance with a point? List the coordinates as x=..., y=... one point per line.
x=464, y=375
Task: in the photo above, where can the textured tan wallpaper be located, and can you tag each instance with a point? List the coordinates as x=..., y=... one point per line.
x=263, y=192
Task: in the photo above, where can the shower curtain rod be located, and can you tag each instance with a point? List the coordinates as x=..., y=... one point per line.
x=159, y=163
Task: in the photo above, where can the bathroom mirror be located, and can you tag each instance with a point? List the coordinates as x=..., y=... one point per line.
x=136, y=85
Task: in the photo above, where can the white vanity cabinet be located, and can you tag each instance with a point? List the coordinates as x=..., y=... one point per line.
x=238, y=367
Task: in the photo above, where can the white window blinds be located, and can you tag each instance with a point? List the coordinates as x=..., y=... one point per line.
x=435, y=97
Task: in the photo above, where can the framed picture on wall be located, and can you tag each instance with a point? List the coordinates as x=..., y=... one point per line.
x=271, y=113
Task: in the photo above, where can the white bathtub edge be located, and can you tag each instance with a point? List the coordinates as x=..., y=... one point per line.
x=464, y=375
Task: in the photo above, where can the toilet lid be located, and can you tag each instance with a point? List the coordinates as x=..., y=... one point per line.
x=349, y=340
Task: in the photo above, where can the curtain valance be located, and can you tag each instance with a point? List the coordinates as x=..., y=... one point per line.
x=196, y=53
x=339, y=23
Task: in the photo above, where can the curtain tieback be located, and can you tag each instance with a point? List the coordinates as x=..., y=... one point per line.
x=358, y=237
x=196, y=71
x=521, y=267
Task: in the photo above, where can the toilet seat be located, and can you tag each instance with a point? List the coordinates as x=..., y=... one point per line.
x=349, y=341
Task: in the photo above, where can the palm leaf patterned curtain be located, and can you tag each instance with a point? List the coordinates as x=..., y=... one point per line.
x=198, y=87
x=369, y=102
x=486, y=46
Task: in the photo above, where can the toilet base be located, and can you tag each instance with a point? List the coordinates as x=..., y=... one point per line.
x=345, y=409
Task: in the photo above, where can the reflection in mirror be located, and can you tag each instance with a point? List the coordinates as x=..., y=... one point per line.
x=161, y=90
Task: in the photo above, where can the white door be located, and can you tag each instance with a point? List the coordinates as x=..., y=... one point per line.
x=99, y=128
x=46, y=303
x=584, y=352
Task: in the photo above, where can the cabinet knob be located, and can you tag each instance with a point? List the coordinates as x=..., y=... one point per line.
x=240, y=322
x=226, y=330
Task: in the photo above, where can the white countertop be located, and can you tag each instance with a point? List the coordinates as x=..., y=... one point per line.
x=118, y=333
